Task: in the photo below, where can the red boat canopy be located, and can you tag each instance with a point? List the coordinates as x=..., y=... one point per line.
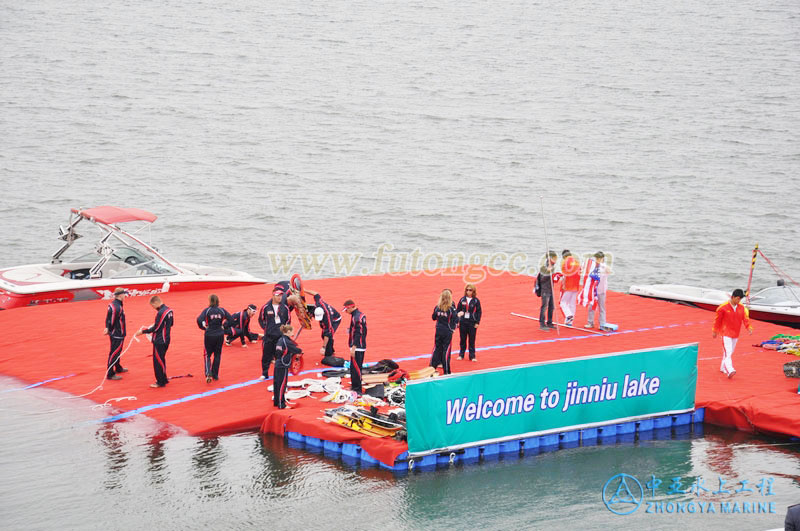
x=111, y=214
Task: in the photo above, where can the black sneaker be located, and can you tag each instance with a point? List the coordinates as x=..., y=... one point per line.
x=123, y=370
x=115, y=377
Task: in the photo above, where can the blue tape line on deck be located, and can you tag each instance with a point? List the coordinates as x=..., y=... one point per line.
x=37, y=384
x=189, y=398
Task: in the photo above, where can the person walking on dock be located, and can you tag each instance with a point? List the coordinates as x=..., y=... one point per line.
x=469, y=314
x=357, y=342
x=731, y=315
x=160, y=337
x=115, y=330
x=213, y=320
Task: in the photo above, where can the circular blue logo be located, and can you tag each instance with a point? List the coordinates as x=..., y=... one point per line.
x=623, y=494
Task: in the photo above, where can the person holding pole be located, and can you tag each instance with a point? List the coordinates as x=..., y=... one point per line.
x=160, y=337
x=545, y=283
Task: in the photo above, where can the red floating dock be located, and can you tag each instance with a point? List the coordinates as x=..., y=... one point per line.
x=63, y=346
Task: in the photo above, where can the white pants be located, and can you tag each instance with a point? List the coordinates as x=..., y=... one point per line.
x=728, y=344
x=601, y=307
x=569, y=300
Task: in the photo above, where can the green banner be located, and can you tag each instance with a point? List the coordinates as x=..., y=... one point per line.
x=512, y=402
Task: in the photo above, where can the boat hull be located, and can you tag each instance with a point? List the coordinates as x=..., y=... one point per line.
x=711, y=299
x=10, y=299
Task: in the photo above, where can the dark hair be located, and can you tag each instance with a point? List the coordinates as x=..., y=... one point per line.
x=251, y=307
x=565, y=253
x=285, y=328
x=599, y=254
x=213, y=300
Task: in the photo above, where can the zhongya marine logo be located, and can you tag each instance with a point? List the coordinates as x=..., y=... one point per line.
x=623, y=494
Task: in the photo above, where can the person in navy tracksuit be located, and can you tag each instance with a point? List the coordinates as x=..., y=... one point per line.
x=285, y=349
x=239, y=326
x=160, y=338
x=357, y=341
x=446, y=322
x=274, y=314
x=213, y=320
x=469, y=315
x=329, y=321
x=115, y=329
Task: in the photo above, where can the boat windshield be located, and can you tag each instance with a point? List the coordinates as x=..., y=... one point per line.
x=139, y=263
x=154, y=266
x=777, y=296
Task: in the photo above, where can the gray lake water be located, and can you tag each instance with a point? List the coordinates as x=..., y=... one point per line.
x=666, y=135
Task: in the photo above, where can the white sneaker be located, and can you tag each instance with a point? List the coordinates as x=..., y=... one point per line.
x=262, y=377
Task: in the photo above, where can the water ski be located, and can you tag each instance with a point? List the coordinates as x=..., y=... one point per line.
x=427, y=372
x=360, y=422
x=562, y=324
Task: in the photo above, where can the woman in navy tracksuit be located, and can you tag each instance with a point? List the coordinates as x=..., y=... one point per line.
x=446, y=322
x=213, y=320
x=469, y=314
x=285, y=349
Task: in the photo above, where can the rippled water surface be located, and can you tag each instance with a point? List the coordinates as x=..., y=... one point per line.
x=666, y=135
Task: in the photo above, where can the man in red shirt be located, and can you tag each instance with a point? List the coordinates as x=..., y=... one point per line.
x=570, y=283
x=730, y=317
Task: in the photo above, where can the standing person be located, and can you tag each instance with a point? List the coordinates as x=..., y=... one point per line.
x=274, y=314
x=544, y=282
x=570, y=283
x=160, y=338
x=285, y=349
x=115, y=329
x=357, y=341
x=329, y=321
x=213, y=320
x=239, y=327
x=444, y=313
x=599, y=276
x=792, y=521
x=469, y=314
x=728, y=322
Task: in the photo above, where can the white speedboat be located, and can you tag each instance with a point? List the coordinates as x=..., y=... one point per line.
x=120, y=259
x=778, y=304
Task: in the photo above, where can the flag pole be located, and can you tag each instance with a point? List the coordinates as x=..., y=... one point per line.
x=750, y=279
x=547, y=262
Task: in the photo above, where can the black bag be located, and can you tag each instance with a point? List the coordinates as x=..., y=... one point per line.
x=383, y=366
x=376, y=391
x=537, y=288
x=332, y=361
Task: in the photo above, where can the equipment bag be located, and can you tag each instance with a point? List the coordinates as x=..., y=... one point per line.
x=333, y=361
